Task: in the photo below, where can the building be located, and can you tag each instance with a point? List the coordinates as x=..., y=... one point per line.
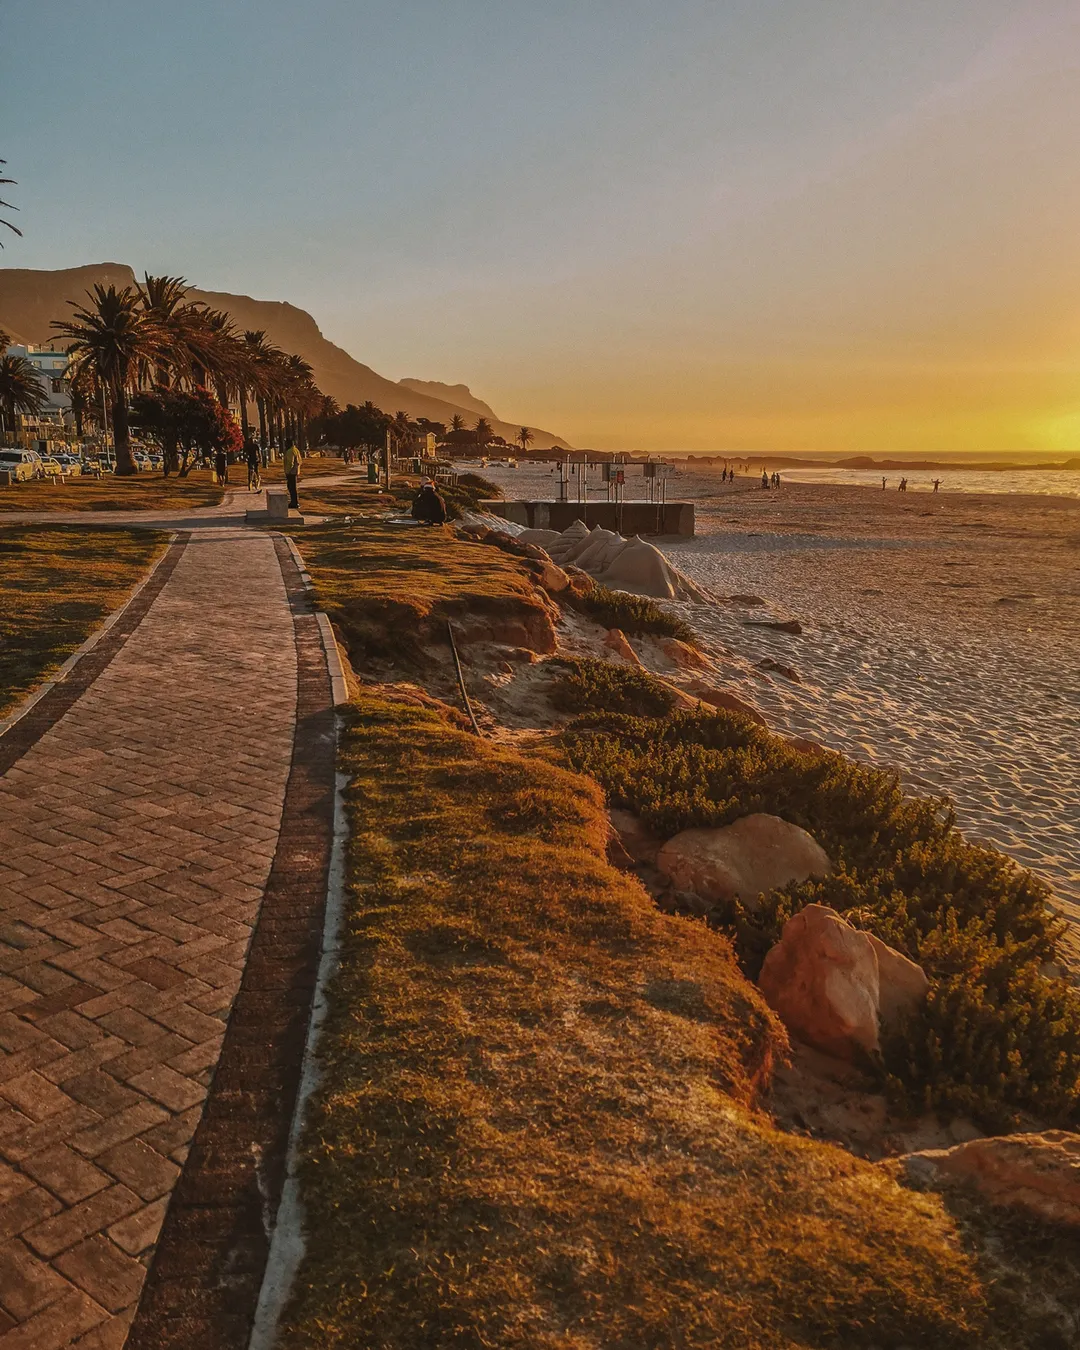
x=51, y=367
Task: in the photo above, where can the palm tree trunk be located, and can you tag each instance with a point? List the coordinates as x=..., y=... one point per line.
x=261, y=403
x=121, y=434
x=244, y=424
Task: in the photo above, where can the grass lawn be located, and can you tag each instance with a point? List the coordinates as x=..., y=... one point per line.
x=141, y=492
x=57, y=583
x=535, y=1127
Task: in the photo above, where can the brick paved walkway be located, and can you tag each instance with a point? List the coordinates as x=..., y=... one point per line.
x=136, y=837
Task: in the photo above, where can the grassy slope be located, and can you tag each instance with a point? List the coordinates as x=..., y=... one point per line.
x=386, y=586
x=533, y=1127
x=56, y=585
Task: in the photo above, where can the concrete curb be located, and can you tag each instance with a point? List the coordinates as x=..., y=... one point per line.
x=333, y=654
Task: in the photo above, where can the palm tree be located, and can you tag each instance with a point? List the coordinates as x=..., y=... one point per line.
x=13, y=228
x=457, y=422
x=484, y=432
x=21, y=391
x=111, y=338
x=524, y=438
x=164, y=302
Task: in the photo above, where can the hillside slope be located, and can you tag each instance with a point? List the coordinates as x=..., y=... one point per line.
x=460, y=394
x=30, y=299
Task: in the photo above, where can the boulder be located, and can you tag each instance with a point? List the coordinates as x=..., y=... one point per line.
x=750, y=857
x=550, y=575
x=684, y=656
x=722, y=698
x=617, y=642
x=788, y=672
x=835, y=987
x=1039, y=1173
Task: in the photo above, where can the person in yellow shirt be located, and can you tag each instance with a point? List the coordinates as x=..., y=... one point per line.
x=290, y=461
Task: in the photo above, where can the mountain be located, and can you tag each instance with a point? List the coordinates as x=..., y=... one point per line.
x=460, y=394
x=30, y=299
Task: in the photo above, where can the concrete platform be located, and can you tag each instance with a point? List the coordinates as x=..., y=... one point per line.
x=629, y=518
x=265, y=517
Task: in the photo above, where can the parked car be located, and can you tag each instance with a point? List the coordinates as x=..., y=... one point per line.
x=21, y=464
x=51, y=467
x=71, y=464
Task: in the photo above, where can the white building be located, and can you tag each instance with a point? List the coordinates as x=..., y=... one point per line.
x=51, y=367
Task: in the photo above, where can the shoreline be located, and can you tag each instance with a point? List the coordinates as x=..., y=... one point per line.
x=940, y=640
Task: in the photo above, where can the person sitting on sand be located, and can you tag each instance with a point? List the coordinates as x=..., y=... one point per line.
x=428, y=507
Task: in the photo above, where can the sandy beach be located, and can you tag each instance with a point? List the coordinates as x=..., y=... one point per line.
x=940, y=635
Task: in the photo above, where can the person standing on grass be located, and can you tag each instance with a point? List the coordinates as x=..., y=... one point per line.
x=221, y=467
x=290, y=462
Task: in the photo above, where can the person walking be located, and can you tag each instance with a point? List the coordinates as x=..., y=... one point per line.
x=254, y=464
x=290, y=462
x=221, y=467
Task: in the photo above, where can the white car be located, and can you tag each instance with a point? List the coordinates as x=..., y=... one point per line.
x=21, y=464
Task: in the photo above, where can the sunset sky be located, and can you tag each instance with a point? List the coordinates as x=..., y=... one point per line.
x=839, y=225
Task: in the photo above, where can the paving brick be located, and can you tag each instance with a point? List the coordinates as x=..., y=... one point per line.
x=66, y=1173
x=172, y=1089
x=35, y=1096
x=61, y=1231
x=136, y=836
x=57, y=1325
x=139, y=1230
x=101, y=1269
x=140, y=1167
x=27, y=1284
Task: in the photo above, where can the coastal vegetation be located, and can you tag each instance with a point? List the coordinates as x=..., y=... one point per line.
x=538, y=1120
x=999, y=1037
x=534, y=1125
x=56, y=586
x=636, y=615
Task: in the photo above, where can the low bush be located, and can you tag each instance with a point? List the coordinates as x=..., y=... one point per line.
x=587, y=685
x=635, y=614
x=484, y=487
x=996, y=1037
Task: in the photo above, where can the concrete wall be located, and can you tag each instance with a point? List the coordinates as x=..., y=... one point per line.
x=629, y=518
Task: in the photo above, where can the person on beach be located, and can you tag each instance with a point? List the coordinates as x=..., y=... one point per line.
x=937, y=483
x=253, y=456
x=221, y=467
x=883, y=482
x=764, y=480
x=290, y=463
x=428, y=507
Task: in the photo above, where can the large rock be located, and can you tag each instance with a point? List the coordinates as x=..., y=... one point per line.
x=751, y=857
x=684, y=656
x=616, y=641
x=835, y=987
x=637, y=839
x=1039, y=1173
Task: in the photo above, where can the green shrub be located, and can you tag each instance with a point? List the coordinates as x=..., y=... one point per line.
x=483, y=487
x=635, y=614
x=587, y=685
x=995, y=1037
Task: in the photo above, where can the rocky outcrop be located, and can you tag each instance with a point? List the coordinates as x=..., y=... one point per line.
x=835, y=987
x=684, y=656
x=751, y=857
x=1039, y=1173
x=617, y=642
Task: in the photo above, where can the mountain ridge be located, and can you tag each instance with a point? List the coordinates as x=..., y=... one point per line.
x=30, y=298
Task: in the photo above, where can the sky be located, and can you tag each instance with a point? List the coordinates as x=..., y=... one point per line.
x=713, y=225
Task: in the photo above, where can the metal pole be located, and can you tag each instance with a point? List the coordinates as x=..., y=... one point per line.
x=461, y=679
